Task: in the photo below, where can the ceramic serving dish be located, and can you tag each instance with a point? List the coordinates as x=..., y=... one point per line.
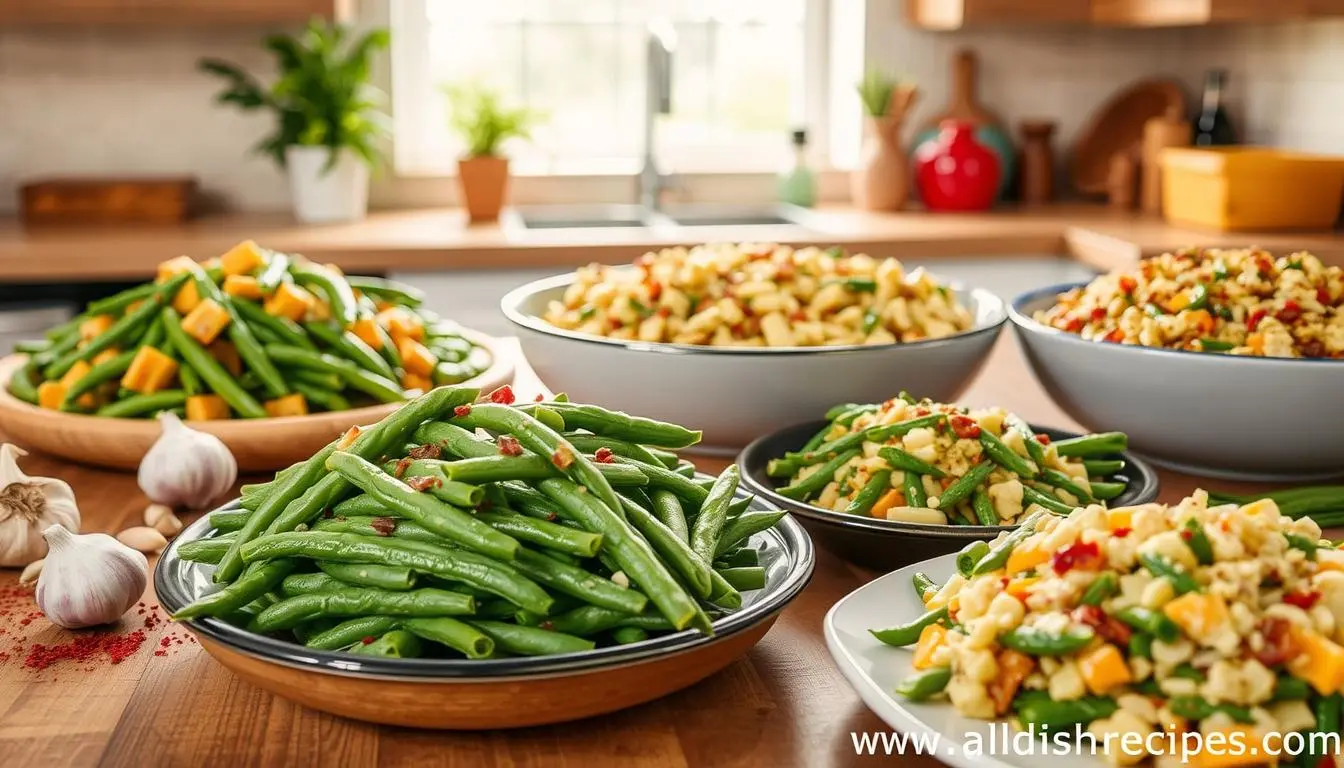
x=494, y=693
x=886, y=544
x=1234, y=417
x=738, y=394
x=257, y=444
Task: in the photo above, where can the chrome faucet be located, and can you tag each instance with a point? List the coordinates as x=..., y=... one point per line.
x=659, y=46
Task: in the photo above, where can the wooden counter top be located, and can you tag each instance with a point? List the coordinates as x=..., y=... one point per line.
x=785, y=704
x=427, y=240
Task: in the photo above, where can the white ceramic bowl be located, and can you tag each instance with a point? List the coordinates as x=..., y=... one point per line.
x=738, y=394
x=1246, y=418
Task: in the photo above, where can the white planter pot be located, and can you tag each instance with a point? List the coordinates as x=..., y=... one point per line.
x=341, y=193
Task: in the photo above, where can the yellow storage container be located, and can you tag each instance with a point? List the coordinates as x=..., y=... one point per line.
x=1251, y=188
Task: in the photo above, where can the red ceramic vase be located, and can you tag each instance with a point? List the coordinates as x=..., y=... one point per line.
x=956, y=172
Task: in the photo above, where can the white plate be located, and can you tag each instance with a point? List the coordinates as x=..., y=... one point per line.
x=875, y=669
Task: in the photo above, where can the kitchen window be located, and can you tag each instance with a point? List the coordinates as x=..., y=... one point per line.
x=745, y=73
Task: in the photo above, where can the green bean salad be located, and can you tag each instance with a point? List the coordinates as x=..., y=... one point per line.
x=924, y=462
x=483, y=530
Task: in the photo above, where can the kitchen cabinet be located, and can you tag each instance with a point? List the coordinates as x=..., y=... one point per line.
x=97, y=12
x=954, y=14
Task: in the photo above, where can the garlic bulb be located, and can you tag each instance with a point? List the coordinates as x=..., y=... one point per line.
x=186, y=468
x=88, y=580
x=162, y=519
x=28, y=506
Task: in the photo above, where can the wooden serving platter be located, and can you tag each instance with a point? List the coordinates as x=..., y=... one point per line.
x=258, y=444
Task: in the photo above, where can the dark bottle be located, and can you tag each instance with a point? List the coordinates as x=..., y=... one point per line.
x=1212, y=128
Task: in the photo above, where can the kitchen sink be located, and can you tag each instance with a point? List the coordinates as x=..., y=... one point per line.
x=582, y=217
x=550, y=217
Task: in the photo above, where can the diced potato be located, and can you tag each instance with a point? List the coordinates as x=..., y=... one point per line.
x=95, y=326
x=242, y=287
x=416, y=381
x=150, y=371
x=77, y=371
x=289, y=405
x=207, y=408
x=188, y=298
x=242, y=259
x=366, y=328
x=171, y=267
x=401, y=324
x=289, y=301
x=206, y=321
x=416, y=357
x=50, y=394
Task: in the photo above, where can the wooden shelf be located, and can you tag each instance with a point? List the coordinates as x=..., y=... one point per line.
x=955, y=14
x=100, y=12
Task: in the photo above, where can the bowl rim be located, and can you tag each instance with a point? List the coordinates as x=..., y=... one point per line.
x=1027, y=324
x=791, y=536
x=1146, y=485
x=510, y=306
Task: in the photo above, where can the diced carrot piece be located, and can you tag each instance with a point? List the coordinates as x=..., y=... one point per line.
x=207, y=408
x=205, y=322
x=366, y=329
x=1320, y=662
x=1014, y=667
x=242, y=287
x=1019, y=587
x=174, y=266
x=1256, y=341
x=892, y=498
x=1202, y=320
x=1025, y=559
x=1103, y=668
x=289, y=405
x=1198, y=614
x=401, y=324
x=188, y=298
x=242, y=259
x=150, y=371
x=227, y=355
x=289, y=301
x=95, y=326
x=50, y=394
x=105, y=355
x=416, y=357
x=76, y=372
x=931, y=638
x=416, y=381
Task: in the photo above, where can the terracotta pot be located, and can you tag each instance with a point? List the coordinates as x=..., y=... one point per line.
x=956, y=172
x=882, y=180
x=484, y=181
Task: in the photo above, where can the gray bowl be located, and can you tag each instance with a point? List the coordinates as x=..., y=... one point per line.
x=1243, y=418
x=734, y=394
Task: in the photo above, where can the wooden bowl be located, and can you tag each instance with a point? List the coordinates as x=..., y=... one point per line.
x=258, y=444
x=460, y=694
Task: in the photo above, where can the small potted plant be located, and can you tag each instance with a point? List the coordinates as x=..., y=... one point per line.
x=328, y=116
x=882, y=180
x=479, y=115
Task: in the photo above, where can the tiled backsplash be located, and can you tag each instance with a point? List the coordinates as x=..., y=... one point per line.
x=89, y=101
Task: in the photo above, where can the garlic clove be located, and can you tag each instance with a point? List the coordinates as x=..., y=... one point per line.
x=162, y=519
x=186, y=468
x=31, y=572
x=28, y=506
x=90, y=579
x=143, y=538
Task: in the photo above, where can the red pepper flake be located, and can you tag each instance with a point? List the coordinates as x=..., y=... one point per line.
x=384, y=526
x=538, y=398
x=547, y=625
x=401, y=467
x=964, y=427
x=1290, y=313
x=1303, y=600
x=1042, y=438
x=503, y=395
x=86, y=648
x=509, y=445
x=1187, y=534
x=1121, y=533
x=1074, y=324
x=562, y=457
x=367, y=639
x=1128, y=284
x=424, y=483
x=604, y=455
x=1083, y=555
x=654, y=288
x=426, y=451
x=1115, y=337
x=1253, y=321
x=798, y=316
x=1099, y=313
x=1108, y=627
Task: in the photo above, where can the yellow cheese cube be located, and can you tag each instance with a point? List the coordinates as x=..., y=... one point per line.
x=174, y=266
x=289, y=405
x=401, y=324
x=1321, y=661
x=242, y=287
x=150, y=371
x=187, y=298
x=366, y=328
x=207, y=408
x=416, y=381
x=242, y=259
x=50, y=394
x=205, y=322
x=1103, y=668
x=1199, y=615
x=289, y=301
x=94, y=326
x=416, y=357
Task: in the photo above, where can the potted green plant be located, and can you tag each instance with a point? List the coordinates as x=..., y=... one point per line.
x=328, y=116
x=480, y=116
x=882, y=180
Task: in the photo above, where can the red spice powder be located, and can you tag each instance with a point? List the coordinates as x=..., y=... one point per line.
x=84, y=650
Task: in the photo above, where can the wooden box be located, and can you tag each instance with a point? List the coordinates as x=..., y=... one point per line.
x=165, y=200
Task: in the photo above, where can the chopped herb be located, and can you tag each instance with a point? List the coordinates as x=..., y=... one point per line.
x=695, y=304
x=942, y=291
x=1295, y=264
x=587, y=313
x=836, y=252
x=1215, y=345
x=861, y=284
x=643, y=309
x=1223, y=312
x=1219, y=270
x=870, y=320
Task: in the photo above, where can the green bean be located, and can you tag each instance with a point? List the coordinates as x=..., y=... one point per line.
x=1005, y=457
x=1141, y=646
x=738, y=558
x=362, y=505
x=120, y=331
x=1038, y=642
x=239, y=593
x=913, y=487
x=140, y=405
x=440, y=517
x=999, y=553
x=347, y=602
x=845, y=413
x=925, y=685
x=118, y=302
x=205, y=550
x=1150, y=622
x=623, y=426
x=926, y=587
x=744, y=579
x=486, y=469
x=397, y=644
x=21, y=382
x=251, y=350
x=780, y=468
x=1099, y=444
x=387, y=348
x=1181, y=580
x=665, y=457
x=221, y=382
x=455, y=634
x=1048, y=501
x=675, y=551
x=287, y=331
x=324, y=398
x=628, y=549
x=1103, y=467
x=328, y=381
x=970, y=555
x=984, y=508
x=386, y=577
x=745, y=526
x=1065, y=482
x=352, y=631
x=804, y=489
x=628, y=635
x=964, y=486
x=723, y=594
x=1106, y=491
x=350, y=346
x=877, y=434
x=707, y=527
x=388, y=290
x=452, y=491
x=659, y=476
x=1045, y=713
x=1102, y=587
x=379, y=387
x=339, y=295
x=31, y=346
x=191, y=383
x=455, y=440
x=229, y=520
x=871, y=491
x=1302, y=543
x=1289, y=688
x=97, y=375
x=459, y=565
x=544, y=534
x=308, y=583
x=1198, y=541
x=1329, y=719
x=275, y=272
x=908, y=634
x=899, y=459
x=528, y=500
x=531, y=641
x=667, y=508
x=1196, y=708
x=591, y=443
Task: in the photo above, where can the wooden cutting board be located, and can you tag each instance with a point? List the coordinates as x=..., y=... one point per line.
x=1117, y=128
